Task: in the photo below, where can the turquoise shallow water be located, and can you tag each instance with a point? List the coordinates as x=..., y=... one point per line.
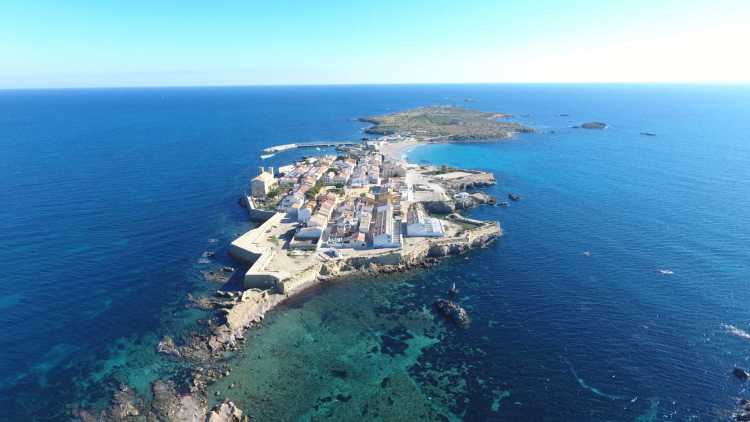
x=112, y=195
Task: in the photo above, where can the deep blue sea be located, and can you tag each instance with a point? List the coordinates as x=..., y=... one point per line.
x=109, y=197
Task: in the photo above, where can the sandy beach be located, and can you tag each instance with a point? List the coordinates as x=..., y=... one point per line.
x=397, y=150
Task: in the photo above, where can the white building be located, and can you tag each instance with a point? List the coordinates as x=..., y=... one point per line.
x=328, y=179
x=291, y=200
x=304, y=214
x=393, y=168
x=419, y=224
x=387, y=231
x=262, y=183
x=307, y=233
x=365, y=218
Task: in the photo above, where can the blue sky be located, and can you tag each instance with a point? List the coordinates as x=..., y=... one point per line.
x=72, y=43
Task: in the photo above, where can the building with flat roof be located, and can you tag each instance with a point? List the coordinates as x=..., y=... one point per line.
x=420, y=224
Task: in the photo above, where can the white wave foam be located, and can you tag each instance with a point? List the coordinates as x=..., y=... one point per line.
x=588, y=387
x=737, y=332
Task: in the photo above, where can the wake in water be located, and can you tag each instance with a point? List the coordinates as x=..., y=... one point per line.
x=737, y=332
x=594, y=390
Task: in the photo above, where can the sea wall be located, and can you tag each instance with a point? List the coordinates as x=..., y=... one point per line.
x=249, y=247
x=256, y=215
x=259, y=216
x=307, y=278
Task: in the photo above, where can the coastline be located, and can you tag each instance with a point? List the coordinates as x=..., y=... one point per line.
x=209, y=353
x=400, y=149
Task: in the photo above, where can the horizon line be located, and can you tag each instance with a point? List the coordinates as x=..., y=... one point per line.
x=355, y=84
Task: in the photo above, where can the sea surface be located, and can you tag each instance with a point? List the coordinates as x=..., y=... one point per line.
x=619, y=290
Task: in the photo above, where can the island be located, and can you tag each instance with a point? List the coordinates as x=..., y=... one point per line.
x=445, y=123
x=362, y=211
x=594, y=125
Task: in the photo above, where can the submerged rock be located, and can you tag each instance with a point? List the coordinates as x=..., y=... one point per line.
x=215, y=276
x=167, y=346
x=594, y=125
x=740, y=374
x=452, y=311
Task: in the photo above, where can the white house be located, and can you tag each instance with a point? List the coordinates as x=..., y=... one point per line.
x=419, y=224
x=394, y=168
x=291, y=200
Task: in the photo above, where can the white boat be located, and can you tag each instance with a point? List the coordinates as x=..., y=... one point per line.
x=264, y=156
x=666, y=272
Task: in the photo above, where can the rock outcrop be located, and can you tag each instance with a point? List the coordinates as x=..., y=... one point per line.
x=124, y=405
x=168, y=405
x=167, y=346
x=452, y=311
x=466, y=200
x=227, y=412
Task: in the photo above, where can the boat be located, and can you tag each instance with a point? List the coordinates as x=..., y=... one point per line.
x=265, y=156
x=666, y=272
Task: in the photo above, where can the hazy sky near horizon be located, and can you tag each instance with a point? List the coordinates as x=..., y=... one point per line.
x=77, y=43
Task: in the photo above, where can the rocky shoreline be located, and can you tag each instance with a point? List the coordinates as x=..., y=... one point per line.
x=208, y=353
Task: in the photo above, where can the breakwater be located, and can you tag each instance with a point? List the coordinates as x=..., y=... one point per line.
x=285, y=147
